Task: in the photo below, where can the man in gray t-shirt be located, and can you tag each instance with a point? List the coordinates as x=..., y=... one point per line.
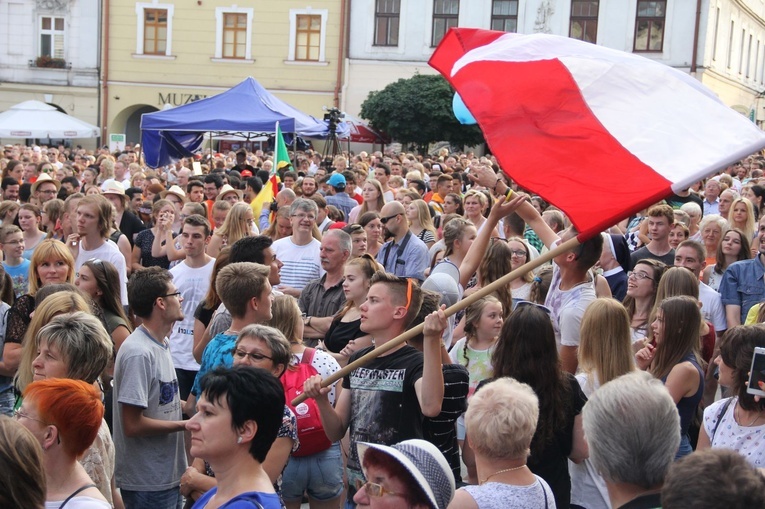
x=148, y=427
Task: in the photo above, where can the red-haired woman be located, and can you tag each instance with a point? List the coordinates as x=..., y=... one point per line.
x=64, y=415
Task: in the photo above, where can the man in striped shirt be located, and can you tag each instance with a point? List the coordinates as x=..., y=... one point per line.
x=300, y=252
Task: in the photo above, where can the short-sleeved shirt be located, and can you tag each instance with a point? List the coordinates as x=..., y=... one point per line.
x=19, y=275
x=384, y=405
x=343, y=202
x=218, y=352
x=144, y=376
x=748, y=441
x=567, y=308
x=301, y=263
x=316, y=300
x=143, y=241
x=743, y=284
x=411, y=262
x=108, y=252
x=243, y=501
x=644, y=253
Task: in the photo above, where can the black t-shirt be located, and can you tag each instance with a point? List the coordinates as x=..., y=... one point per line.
x=676, y=201
x=440, y=430
x=384, y=405
x=130, y=226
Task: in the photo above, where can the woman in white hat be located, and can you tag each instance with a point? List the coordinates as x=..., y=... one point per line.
x=412, y=473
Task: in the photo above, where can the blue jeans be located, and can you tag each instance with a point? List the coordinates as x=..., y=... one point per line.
x=7, y=400
x=685, y=447
x=167, y=499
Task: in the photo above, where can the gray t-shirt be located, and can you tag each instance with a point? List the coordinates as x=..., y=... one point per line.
x=144, y=376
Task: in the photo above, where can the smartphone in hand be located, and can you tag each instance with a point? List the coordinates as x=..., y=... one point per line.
x=756, y=383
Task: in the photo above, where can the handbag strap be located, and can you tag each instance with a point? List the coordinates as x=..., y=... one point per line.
x=719, y=418
x=74, y=494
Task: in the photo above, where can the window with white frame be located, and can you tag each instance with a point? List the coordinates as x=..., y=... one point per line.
x=233, y=34
x=308, y=34
x=154, y=35
x=51, y=37
x=445, y=16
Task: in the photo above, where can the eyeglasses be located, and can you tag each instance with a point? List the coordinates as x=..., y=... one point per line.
x=374, y=490
x=518, y=252
x=18, y=414
x=384, y=220
x=255, y=357
x=638, y=275
x=301, y=217
x=176, y=294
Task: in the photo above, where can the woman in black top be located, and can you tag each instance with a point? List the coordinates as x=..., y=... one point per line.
x=527, y=352
x=344, y=335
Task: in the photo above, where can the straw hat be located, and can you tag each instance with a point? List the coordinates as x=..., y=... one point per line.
x=116, y=189
x=425, y=462
x=43, y=178
x=226, y=189
x=177, y=191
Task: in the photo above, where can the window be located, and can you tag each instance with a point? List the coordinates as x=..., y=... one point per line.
x=234, y=35
x=308, y=37
x=504, y=15
x=741, y=52
x=649, y=25
x=584, y=20
x=387, y=16
x=155, y=29
x=51, y=37
x=445, y=16
x=729, y=59
x=749, y=56
x=308, y=34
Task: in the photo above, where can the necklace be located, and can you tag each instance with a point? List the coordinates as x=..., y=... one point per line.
x=481, y=481
x=756, y=417
x=232, y=332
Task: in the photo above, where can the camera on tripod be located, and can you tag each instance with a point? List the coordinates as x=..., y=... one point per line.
x=333, y=116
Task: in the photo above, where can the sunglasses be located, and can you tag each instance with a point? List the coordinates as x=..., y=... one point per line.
x=384, y=220
x=528, y=303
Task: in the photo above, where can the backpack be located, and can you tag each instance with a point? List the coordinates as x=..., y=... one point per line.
x=311, y=435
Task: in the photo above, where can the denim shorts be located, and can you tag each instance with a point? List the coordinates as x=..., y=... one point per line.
x=321, y=475
x=7, y=400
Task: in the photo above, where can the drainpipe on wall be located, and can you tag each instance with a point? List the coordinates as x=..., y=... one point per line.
x=340, y=54
x=105, y=76
x=696, y=28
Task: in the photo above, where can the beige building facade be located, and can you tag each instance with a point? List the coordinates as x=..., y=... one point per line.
x=164, y=54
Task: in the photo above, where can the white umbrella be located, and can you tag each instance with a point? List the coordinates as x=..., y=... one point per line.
x=35, y=119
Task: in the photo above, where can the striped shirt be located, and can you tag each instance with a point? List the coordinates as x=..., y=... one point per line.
x=301, y=263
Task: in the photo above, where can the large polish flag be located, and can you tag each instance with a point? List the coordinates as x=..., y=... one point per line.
x=599, y=133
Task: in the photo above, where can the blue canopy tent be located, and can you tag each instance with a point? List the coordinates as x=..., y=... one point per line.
x=246, y=110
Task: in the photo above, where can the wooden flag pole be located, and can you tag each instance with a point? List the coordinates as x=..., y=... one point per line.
x=464, y=303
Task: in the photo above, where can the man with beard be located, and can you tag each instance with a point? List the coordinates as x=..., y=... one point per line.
x=404, y=255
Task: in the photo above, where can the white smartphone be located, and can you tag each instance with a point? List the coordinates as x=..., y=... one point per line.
x=756, y=384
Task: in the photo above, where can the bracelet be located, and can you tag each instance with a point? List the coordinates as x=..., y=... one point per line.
x=494, y=189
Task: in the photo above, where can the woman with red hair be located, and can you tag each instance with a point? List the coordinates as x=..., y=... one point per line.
x=64, y=416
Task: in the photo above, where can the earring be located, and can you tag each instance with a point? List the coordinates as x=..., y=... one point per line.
x=239, y=440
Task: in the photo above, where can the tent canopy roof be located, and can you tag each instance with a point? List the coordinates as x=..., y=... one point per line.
x=35, y=119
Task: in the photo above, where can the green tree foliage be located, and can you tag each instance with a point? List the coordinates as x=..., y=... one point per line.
x=418, y=111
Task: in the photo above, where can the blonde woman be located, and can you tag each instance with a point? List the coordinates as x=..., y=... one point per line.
x=420, y=222
x=605, y=353
x=476, y=204
x=239, y=223
x=374, y=199
x=742, y=217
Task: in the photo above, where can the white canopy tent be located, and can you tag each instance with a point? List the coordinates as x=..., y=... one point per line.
x=35, y=119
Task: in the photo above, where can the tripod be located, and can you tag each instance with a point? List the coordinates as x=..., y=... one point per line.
x=332, y=145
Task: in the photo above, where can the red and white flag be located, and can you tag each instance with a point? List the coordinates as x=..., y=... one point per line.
x=597, y=132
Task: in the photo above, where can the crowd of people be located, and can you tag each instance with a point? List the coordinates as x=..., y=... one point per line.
x=157, y=325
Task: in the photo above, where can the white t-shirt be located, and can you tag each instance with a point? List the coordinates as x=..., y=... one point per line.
x=107, y=252
x=193, y=284
x=301, y=263
x=712, y=308
x=567, y=307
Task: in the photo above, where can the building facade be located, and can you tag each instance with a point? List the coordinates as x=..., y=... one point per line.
x=164, y=54
x=49, y=52
x=723, y=46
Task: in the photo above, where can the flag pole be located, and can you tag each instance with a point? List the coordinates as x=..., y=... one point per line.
x=464, y=303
